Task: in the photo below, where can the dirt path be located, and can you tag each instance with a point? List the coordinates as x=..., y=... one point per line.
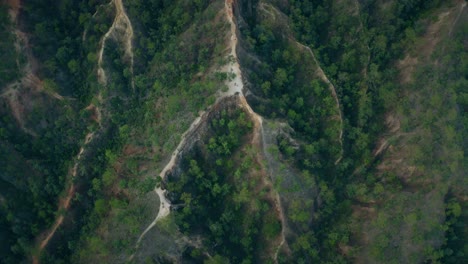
x=64, y=203
x=462, y=7
x=324, y=78
x=274, y=170
x=320, y=71
x=262, y=6
x=258, y=139
x=275, y=13
x=165, y=204
x=85, y=32
x=121, y=30
x=277, y=198
x=235, y=86
x=15, y=6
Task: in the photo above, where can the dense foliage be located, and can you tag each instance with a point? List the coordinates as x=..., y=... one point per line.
x=337, y=194
x=214, y=194
x=358, y=53
x=11, y=61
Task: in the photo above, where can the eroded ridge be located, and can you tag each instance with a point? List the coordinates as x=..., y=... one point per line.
x=122, y=31
x=165, y=204
x=332, y=89
x=29, y=77
x=274, y=13
x=235, y=87
x=461, y=7
x=121, y=21
x=64, y=203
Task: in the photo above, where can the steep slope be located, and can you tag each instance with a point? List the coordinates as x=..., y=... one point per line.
x=36, y=120
x=361, y=186
x=198, y=127
x=224, y=131
x=427, y=178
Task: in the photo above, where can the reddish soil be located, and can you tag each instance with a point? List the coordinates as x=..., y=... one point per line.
x=435, y=32
x=44, y=238
x=15, y=6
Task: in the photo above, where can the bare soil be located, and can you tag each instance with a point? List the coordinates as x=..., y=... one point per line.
x=426, y=45
x=235, y=87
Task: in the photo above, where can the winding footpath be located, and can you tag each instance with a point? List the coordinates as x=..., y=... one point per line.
x=64, y=203
x=165, y=204
x=332, y=89
x=121, y=23
x=122, y=30
x=460, y=11
x=235, y=87
x=275, y=13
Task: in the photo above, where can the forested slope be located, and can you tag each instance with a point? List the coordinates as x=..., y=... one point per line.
x=224, y=131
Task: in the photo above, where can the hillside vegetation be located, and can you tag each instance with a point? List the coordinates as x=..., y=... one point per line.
x=224, y=131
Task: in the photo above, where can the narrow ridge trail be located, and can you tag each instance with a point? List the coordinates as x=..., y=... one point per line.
x=121, y=21
x=276, y=169
x=258, y=121
x=235, y=87
x=64, y=203
x=262, y=6
x=259, y=139
x=123, y=27
x=165, y=204
x=332, y=89
x=85, y=32
x=277, y=197
x=320, y=72
x=462, y=7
